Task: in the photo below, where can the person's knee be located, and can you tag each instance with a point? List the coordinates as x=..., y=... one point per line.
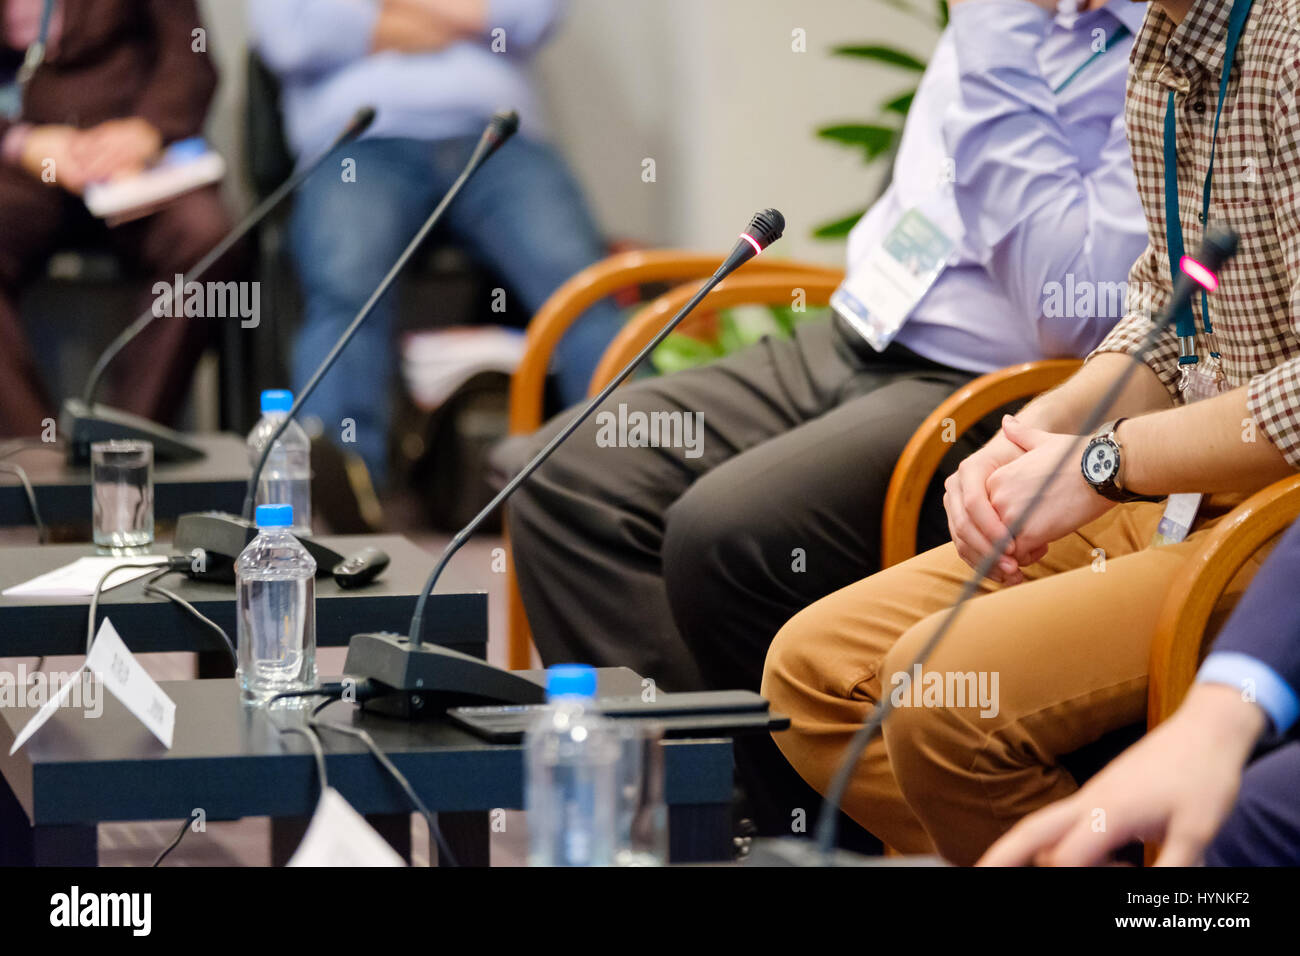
x=567, y=474
x=794, y=674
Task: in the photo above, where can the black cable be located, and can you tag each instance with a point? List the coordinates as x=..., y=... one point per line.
x=99, y=587
x=444, y=851
x=180, y=835
x=317, y=749
x=828, y=820
x=42, y=535
x=153, y=588
x=334, y=691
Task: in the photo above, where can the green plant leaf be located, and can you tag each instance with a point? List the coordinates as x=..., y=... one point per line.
x=941, y=14
x=678, y=352
x=899, y=104
x=839, y=228
x=882, y=54
x=872, y=138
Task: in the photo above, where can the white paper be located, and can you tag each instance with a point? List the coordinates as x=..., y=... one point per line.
x=113, y=663
x=43, y=715
x=339, y=836
x=79, y=578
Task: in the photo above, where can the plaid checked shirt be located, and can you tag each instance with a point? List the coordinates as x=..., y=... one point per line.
x=1256, y=191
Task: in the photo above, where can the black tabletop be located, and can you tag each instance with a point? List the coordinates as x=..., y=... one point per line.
x=46, y=626
x=232, y=761
x=214, y=482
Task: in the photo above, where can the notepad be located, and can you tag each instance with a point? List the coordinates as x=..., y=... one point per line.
x=79, y=578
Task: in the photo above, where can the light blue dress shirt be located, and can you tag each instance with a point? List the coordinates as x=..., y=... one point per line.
x=1273, y=694
x=320, y=49
x=1044, y=190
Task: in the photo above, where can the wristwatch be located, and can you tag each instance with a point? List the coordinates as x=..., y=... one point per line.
x=1101, y=465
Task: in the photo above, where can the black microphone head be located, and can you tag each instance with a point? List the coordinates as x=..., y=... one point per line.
x=505, y=123
x=359, y=123
x=766, y=227
x=1218, y=246
x=502, y=125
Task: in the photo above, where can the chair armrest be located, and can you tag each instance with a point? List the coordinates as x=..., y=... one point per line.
x=1181, y=628
x=934, y=439
x=770, y=288
x=589, y=286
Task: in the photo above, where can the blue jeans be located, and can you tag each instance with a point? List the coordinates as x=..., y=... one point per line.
x=522, y=215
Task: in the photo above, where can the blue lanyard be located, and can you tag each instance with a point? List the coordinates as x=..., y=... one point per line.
x=1185, y=321
x=36, y=52
x=1120, y=33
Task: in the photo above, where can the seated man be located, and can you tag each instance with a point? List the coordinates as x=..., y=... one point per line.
x=1183, y=784
x=117, y=83
x=435, y=70
x=684, y=563
x=1064, y=622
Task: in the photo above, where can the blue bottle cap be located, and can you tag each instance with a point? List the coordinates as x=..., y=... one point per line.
x=275, y=516
x=570, y=680
x=276, y=400
x=185, y=150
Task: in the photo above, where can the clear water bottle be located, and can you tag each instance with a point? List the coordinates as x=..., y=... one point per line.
x=570, y=762
x=275, y=581
x=286, y=479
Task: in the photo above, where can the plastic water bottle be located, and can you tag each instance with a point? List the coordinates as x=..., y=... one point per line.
x=286, y=479
x=571, y=753
x=275, y=581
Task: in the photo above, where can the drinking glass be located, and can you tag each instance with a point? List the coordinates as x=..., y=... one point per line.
x=641, y=816
x=121, y=483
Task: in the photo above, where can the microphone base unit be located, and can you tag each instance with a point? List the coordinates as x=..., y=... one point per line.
x=423, y=682
x=81, y=425
x=223, y=536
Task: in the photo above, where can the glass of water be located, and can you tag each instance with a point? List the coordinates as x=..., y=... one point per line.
x=121, y=484
x=641, y=814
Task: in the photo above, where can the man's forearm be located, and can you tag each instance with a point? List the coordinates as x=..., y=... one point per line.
x=1211, y=445
x=468, y=17
x=1065, y=409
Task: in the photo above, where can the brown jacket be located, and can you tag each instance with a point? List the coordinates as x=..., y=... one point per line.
x=118, y=58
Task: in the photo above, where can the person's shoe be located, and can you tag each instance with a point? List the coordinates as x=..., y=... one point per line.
x=341, y=491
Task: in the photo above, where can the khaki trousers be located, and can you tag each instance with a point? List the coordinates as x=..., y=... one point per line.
x=1066, y=653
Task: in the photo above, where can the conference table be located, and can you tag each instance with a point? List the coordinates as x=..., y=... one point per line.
x=49, y=625
x=232, y=761
x=213, y=482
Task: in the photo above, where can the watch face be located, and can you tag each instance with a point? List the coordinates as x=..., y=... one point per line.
x=1100, y=463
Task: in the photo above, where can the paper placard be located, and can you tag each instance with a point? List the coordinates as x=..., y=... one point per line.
x=112, y=662
x=339, y=836
x=43, y=715
x=79, y=578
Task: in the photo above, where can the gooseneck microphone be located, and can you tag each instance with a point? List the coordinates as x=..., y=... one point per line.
x=764, y=229
x=85, y=422
x=408, y=673
x=224, y=536
x=502, y=126
x=1195, y=274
